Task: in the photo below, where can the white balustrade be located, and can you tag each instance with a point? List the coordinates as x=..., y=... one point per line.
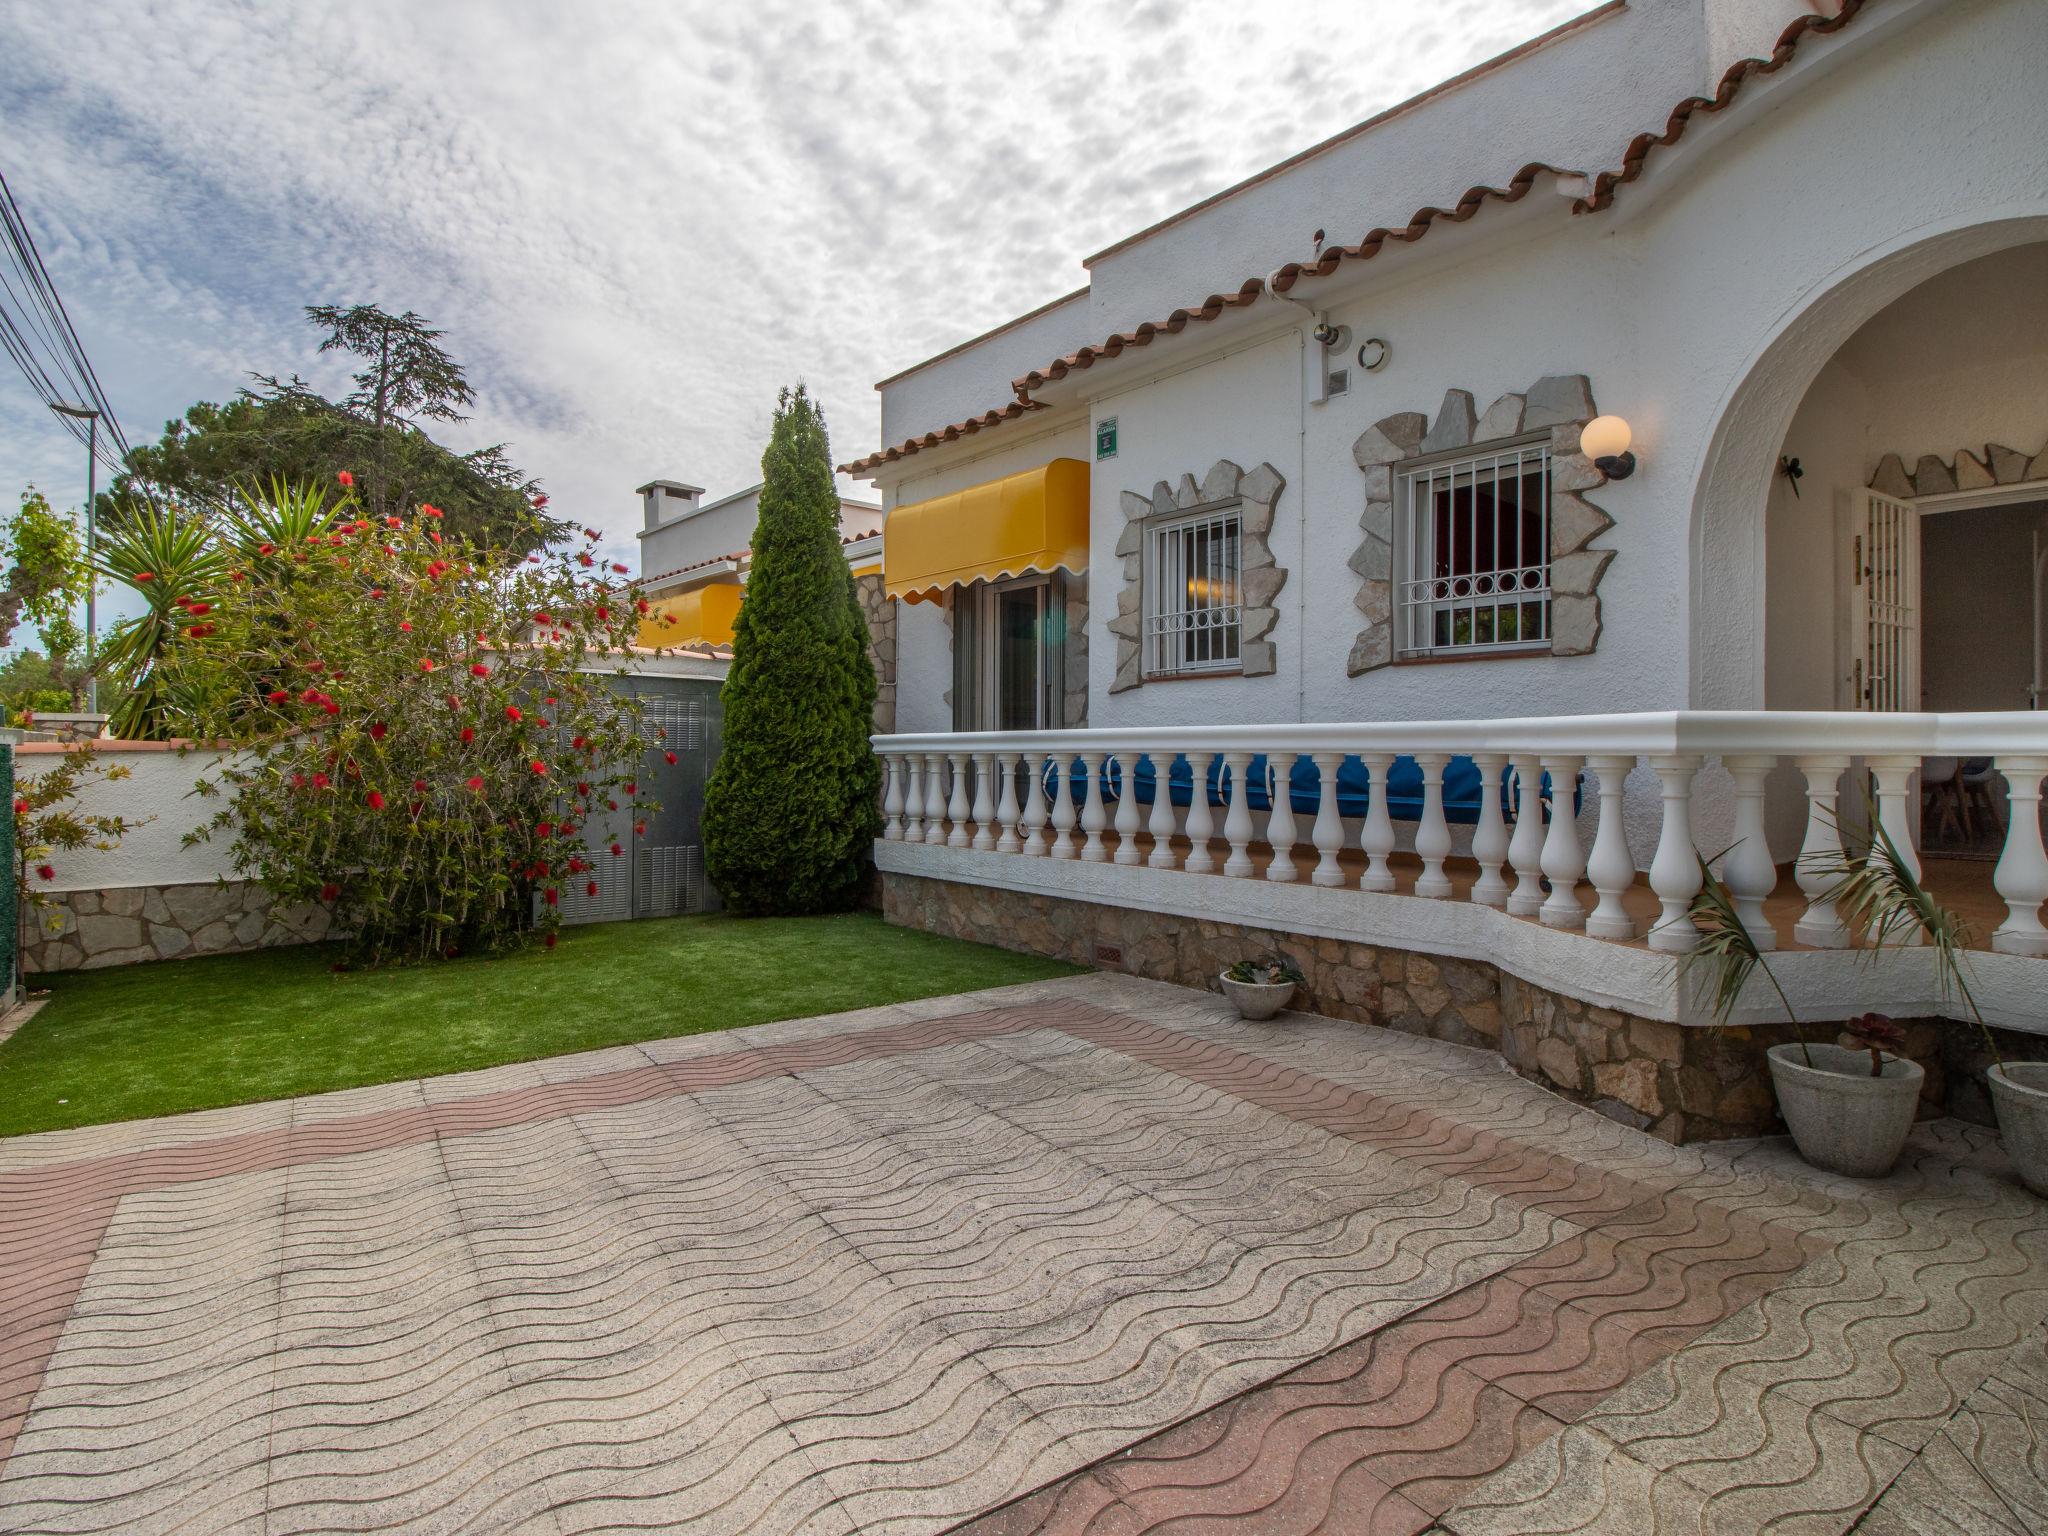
x=1611, y=869
x=1377, y=835
x=1093, y=816
x=988, y=792
x=1328, y=832
x=1525, y=849
x=984, y=811
x=1280, y=828
x=1820, y=926
x=1160, y=824
x=1201, y=824
x=1563, y=859
x=1127, y=808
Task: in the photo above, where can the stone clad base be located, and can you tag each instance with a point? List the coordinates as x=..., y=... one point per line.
x=1680, y=1084
x=85, y=930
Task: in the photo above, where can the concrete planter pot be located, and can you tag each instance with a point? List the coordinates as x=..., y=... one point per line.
x=1841, y=1117
x=1257, y=999
x=2019, y=1090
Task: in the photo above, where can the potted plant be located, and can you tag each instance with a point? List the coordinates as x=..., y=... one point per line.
x=1849, y=1107
x=1258, y=989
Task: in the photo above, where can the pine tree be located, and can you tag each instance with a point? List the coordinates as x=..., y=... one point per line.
x=790, y=811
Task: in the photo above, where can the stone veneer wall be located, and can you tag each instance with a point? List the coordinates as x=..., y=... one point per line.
x=878, y=609
x=1967, y=471
x=86, y=930
x=1681, y=1084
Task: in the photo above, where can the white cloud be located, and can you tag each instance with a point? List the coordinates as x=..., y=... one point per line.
x=636, y=221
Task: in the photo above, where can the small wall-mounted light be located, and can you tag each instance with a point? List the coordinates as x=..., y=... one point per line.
x=1327, y=334
x=1605, y=441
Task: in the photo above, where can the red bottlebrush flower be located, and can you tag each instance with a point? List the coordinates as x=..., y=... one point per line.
x=394, y=522
x=468, y=735
x=278, y=696
x=419, y=786
x=298, y=781
x=548, y=942
x=542, y=721
x=379, y=730
x=333, y=539
x=237, y=576
x=434, y=534
x=330, y=706
x=544, y=829
x=44, y=872
x=310, y=696
x=590, y=889
x=583, y=790
x=478, y=669
x=346, y=478
x=590, y=534
x=540, y=499
x=320, y=781
x=199, y=631
x=632, y=787
x=454, y=704
x=568, y=829
x=604, y=614
x=196, y=609
x=577, y=742
x=639, y=829
x=316, y=666
x=329, y=891
x=539, y=767
x=429, y=511
x=618, y=567
x=540, y=616
x=670, y=756
x=585, y=559
x=374, y=800
x=617, y=850
x=266, y=549
x=575, y=866
x=611, y=805
x=553, y=896
x=145, y=576
x=20, y=807
x=512, y=712
x=551, y=701
x=474, y=784
x=377, y=592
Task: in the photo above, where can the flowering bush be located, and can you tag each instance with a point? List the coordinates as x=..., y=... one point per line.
x=48, y=823
x=424, y=725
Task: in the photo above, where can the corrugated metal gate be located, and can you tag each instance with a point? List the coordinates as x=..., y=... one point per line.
x=660, y=873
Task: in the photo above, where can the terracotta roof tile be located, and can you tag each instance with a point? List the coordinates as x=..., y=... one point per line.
x=1600, y=195
x=746, y=554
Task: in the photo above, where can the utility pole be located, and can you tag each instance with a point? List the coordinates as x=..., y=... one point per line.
x=91, y=418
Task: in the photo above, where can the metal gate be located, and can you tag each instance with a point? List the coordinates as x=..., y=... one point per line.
x=658, y=873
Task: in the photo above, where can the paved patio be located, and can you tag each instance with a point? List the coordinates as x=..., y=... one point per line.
x=1083, y=1255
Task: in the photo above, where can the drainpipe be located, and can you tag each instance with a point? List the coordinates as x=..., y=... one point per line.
x=1302, y=340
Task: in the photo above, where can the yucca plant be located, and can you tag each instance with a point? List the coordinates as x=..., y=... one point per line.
x=168, y=557
x=1727, y=951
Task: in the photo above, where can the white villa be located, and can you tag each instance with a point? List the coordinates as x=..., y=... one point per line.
x=1305, y=487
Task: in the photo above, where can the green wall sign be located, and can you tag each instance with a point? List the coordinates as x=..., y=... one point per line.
x=1105, y=438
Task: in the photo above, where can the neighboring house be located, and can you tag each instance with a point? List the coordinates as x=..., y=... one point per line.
x=1301, y=469
x=695, y=560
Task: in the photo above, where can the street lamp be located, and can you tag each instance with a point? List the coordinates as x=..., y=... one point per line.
x=91, y=418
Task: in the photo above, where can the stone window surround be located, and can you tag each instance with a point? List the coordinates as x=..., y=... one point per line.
x=1562, y=404
x=1933, y=475
x=1256, y=492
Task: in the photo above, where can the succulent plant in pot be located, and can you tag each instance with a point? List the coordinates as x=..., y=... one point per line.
x=1258, y=989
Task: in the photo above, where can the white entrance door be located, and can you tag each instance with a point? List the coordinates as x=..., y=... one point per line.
x=1887, y=584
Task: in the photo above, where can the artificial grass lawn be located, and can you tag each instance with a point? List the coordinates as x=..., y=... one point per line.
x=233, y=1029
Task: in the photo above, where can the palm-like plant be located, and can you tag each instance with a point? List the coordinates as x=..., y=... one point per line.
x=164, y=555
x=282, y=514
x=1727, y=951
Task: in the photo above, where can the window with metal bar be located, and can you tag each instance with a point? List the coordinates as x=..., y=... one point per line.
x=1193, y=592
x=1474, y=552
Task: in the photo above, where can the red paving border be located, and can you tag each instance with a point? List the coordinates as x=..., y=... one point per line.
x=1389, y=1429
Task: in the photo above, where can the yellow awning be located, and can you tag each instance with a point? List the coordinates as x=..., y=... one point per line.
x=701, y=616
x=1033, y=521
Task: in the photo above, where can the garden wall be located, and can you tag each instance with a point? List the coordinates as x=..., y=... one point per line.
x=1676, y=1082
x=152, y=898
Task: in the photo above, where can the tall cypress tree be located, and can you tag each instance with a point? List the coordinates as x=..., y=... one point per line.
x=790, y=811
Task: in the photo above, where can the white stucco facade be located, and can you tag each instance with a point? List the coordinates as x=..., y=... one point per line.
x=1718, y=290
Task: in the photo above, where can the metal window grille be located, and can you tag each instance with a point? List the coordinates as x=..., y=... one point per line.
x=1475, y=561
x=1194, y=615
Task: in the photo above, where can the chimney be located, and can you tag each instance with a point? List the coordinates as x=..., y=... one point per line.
x=664, y=501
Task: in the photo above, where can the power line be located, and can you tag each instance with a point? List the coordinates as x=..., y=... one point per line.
x=37, y=334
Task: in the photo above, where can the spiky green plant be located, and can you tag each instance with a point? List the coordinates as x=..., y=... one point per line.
x=168, y=557
x=1727, y=951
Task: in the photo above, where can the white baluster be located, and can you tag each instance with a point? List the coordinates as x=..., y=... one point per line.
x=1376, y=837
x=913, y=798
x=984, y=801
x=1201, y=821
x=1160, y=824
x=1820, y=855
x=1237, y=818
x=892, y=799
x=1563, y=859
x=1093, y=816
x=2021, y=878
x=957, y=808
x=1675, y=871
x=1611, y=869
x=1432, y=832
x=1127, y=809
x=1490, y=836
x=1063, y=845
x=1894, y=777
x=1007, y=810
x=1328, y=832
x=1525, y=849
x=935, y=797
x=1280, y=829
x=1748, y=870
x=1032, y=820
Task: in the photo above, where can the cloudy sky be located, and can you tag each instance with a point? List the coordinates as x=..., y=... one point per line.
x=636, y=219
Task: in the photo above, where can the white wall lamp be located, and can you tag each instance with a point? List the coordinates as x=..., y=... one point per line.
x=1605, y=441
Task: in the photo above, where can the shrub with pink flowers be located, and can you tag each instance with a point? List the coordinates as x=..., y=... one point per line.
x=421, y=726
